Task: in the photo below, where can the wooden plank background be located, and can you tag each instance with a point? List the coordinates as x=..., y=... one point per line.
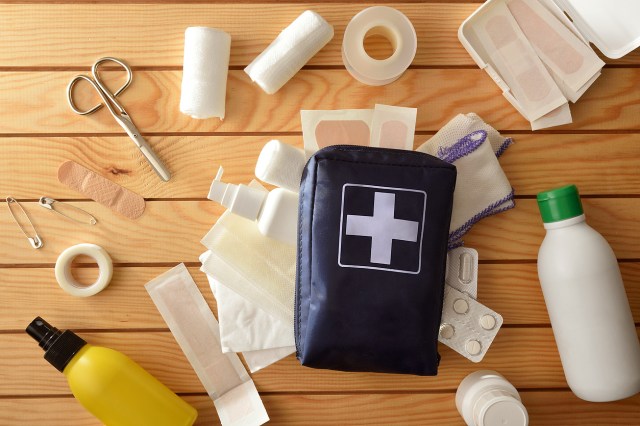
x=44, y=45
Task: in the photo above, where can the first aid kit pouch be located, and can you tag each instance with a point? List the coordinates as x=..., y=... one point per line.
x=372, y=250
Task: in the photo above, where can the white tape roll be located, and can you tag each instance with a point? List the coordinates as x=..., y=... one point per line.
x=65, y=278
x=393, y=25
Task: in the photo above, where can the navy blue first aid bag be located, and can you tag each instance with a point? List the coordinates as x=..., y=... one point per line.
x=373, y=229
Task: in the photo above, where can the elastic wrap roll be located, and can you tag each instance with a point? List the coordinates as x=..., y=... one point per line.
x=205, y=69
x=288, y=53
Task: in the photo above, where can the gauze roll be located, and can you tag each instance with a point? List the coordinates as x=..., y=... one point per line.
x=204, y=73
x=482, y=188
x=293, y=48
x=281, y=165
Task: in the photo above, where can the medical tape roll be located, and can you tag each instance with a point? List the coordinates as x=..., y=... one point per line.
x=204, y=73
x=293, y=48
x=65, y=278
x=393, y=25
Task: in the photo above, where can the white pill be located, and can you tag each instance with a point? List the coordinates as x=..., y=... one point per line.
x=473, y=347
x=488, y=322
x=447, y=331
x=465, y=268
x=460, y=306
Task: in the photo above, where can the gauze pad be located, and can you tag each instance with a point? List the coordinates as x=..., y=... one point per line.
x=482, y=188
x=393, y=127
x=101, y=190
x=267, y=266
x=322, y=128
x=194, y=327
x=204, y=72
x=281, y=164
x=566, y=56
x=293, y=48
x=244, y=326
x=516, y=61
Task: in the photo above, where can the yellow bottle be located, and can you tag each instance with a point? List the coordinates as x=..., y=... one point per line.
x=108, y=383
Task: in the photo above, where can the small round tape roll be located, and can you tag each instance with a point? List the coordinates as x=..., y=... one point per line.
x=65, y=278
x=393, y=25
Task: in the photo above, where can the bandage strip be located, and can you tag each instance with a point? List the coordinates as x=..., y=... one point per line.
x=101, y=190
x=194, y=327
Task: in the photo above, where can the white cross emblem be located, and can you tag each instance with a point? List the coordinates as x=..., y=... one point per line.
x=382, y=227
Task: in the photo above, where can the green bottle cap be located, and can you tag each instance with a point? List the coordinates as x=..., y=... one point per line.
x=559, y=204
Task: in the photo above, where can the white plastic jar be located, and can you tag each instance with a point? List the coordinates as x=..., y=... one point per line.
x=485, y=398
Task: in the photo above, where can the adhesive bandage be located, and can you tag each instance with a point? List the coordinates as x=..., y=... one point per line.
x=393, y=127
x=204, y=72
x=101, y=190
x=467, y=326
x=566, y=56
x=322, y=128
x=194, y=327
x=391, y=24
x=281, y=164
x=287, y=54
x=517, y=62
x=462, y=270
x=65, y=277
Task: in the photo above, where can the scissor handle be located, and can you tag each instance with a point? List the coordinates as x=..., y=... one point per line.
x=100, y=87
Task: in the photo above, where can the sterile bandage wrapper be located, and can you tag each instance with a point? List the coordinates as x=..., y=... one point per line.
x=267, y=266
x=482, y=188
x=101, y=190
x=288, y=53
x=569, y=60
x=204, y=72
x=194, y=327
x=516, y=61
x=322, y=128
x=393, y=127
x=244, y=326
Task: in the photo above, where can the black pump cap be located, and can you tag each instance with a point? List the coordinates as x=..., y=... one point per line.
x=60, y=347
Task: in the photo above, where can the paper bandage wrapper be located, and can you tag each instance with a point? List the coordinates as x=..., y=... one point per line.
x=267, y=266
x=194, y=327
x=204, y=73
x=482, y=188
x=293, y=48
x=101, y=190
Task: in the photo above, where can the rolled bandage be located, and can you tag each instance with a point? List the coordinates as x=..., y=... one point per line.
x=105, y=192
x=293, y=48
x=390, y=23
x=281, y=165
x=65, y=278
x=204, y=73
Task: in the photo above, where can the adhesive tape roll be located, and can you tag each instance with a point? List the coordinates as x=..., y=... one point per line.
x=65, y=278
x=390, y=23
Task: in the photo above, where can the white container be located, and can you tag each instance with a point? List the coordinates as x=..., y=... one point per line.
x=587, y=303
x=485, y=398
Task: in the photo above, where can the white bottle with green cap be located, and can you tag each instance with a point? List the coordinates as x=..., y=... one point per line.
x=587, y=304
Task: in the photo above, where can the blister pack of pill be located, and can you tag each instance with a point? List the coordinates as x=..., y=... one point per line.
x=467, y=326
x=462, y=270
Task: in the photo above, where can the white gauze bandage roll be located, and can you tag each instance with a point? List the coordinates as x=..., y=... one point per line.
x=281, y=165
x=293, y=48
x=204, y=73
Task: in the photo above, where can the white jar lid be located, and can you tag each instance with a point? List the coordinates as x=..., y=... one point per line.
x=504, y=412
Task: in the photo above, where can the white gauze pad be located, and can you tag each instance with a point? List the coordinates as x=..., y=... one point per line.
x=566, y=56
x=288, y=53
x=194, y=327
x=517, y=62
x=204, y=72
x=267, y=266
x=281, y=164
x=393, y=127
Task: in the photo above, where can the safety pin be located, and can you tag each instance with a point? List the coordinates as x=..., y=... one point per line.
x=48, y=203
x=35, y=241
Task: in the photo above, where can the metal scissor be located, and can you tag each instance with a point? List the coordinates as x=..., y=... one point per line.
x=118, y=112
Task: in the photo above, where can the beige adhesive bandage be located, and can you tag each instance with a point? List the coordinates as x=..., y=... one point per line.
x=101, y=190
x=560, y=50
x=321, y=128
x=393, y=127
x=196, y=330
